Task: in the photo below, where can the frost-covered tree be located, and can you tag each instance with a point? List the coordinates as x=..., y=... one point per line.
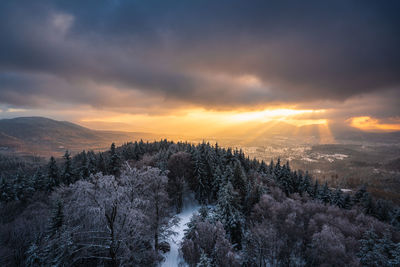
x=200, y=173
x=325, y=194
x=114, y=220
x=158, y=210
x=228, y=213
x=375, y=251
x=204, y=261
x=57, y=219
x=338, y=199
x=208, y=240
x=262, y=245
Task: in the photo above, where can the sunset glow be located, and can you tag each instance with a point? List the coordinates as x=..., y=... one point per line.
x=367, y=123
x=195, y=121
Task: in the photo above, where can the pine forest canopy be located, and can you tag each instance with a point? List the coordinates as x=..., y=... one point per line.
x=116, y=208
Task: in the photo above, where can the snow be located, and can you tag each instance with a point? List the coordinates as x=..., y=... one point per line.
x=346, y=190
x=172, y=258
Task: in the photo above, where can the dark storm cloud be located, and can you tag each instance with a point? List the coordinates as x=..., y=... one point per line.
x=197, y=51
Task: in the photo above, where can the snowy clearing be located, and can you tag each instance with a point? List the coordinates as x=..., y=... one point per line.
x=172, y=258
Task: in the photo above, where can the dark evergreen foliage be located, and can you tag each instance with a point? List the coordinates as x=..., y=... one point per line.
x=235, y=186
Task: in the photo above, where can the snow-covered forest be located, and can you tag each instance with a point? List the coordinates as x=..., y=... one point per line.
x=126, y=206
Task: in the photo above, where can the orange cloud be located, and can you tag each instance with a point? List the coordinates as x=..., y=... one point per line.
x=367, y=123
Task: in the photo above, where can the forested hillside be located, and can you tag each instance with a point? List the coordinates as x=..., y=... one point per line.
x=118, y=207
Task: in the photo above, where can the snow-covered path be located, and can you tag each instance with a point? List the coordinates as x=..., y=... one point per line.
x=172, y=258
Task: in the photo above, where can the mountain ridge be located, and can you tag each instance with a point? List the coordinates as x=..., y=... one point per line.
x=44, y=136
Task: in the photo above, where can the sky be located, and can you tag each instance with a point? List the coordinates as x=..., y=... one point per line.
x=199, y=67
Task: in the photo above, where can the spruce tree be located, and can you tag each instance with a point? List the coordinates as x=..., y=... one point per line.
x=6, y=193
x=204, y=261
x=56, y=220
x=359, y=195
x=315, y=190
x=52, y=174
x=200, y=174
x=347, y=203
x=19, y=187
x=306, y=184
x=84, y=170
x=337, y=198
x=228, y=213
x=325, y=194
x=217, y=182
x=375, y=251
x=34, y=255
x=271, y=167
x=58, y=245
x=39, y=180
x=285, y=180
x=263, y=167
x=67, y=174
x=101, y=164
x=115, y=162
x=239, y=180
x=367, y=204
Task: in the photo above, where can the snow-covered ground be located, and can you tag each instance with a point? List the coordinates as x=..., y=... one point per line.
x=172, y=258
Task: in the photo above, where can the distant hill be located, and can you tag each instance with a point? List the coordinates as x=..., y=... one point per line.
x=44, y=137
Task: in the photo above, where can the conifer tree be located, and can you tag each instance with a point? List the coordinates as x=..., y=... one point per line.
x=204, y=261
x=285, y=180
x=375, y=251
x=57, y=247
x=115, y=162
x=337, y=198
x=305, y=185
x=359, y=195
x=277, y=170
x=228, y=213
x=40, y=181
x=53, y=178
x=101, y=164
x=84, y=170
x=263, y=167
x=217, y=182
x=34, y=257
x=19, y=187
x=367, y=204
x=315, y=190
x=200, y=174
x=56, y=220
x=347, y=203
x=92, y=165
x=6, y=193
x=67, y=174
x=239, y=180
x=271, y=167
x=29, y=186
x=325, y=194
